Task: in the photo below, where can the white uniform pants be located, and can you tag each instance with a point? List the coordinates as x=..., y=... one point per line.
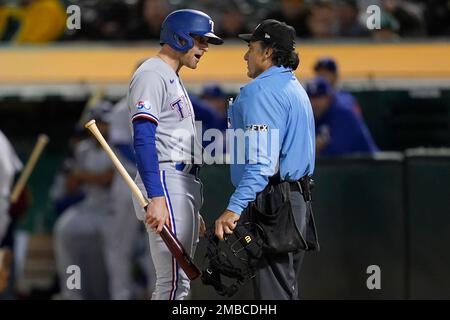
x=184, y=199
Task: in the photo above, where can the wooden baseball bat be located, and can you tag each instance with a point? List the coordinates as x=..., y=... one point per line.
x=171, y=241
x=93, y=101
x=5, y=267
x=26, y=172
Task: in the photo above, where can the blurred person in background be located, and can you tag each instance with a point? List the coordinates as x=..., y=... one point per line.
x=10, y=164
x=79, y=233
x=207, y=116
x=216, y=98
x=105, y=20
x=294, y=13
x=148, y=24
x=322, y=21
x=349, y=24
x=389, y=29
x=339, y=130
x=32, y=21
x=110, y=24
x=437, y=17
x=232, y=21
x=211, y=109
x=124, y=230
x=202, y=5
x=409, y=16
x=327, y=68
x=64, y=192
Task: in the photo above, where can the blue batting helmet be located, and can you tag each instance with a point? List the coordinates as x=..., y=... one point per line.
x=181, y=24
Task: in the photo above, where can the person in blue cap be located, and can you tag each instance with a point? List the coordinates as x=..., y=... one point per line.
x=273, y=176
x=339, y=130
x=327, y=68
x=214, y=95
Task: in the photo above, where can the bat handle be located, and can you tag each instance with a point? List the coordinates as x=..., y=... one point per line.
x=177, y=249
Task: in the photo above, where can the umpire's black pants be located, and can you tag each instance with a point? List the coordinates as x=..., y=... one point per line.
x=277, y=275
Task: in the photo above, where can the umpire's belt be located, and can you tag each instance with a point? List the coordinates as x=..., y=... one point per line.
x=193, y=169
x=304, y=185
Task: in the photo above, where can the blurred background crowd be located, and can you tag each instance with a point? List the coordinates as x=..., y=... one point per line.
x=381, y=101
x=139, y=20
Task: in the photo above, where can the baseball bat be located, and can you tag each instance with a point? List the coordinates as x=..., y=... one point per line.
x=26, y=172
x=171, y=241
x=5, y=267
x=91, y=104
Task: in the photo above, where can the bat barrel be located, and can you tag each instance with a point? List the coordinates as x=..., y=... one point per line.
x=26, y=172
x=176, y=248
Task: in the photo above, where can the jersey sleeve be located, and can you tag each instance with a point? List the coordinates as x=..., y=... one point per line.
x=357, y=133
x=146, y=96
x=147, y=158
x=264, y=127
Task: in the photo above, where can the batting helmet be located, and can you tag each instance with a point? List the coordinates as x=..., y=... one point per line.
x=181, y=24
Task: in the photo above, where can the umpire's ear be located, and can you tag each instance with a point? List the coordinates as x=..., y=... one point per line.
x=268, y=53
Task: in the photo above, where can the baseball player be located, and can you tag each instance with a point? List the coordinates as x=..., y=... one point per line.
x=79, y=231
x=327, y=68
x=9, y=166
x=272, y=106
x=123, y=231
x=340, y=129
x=165, y=140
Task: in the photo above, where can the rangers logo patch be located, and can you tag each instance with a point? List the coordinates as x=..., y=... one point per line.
x=143, y=105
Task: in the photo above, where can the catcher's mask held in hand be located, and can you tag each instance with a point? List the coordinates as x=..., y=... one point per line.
x=233, y=258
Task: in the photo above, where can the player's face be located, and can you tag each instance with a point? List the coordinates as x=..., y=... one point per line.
x=331, y=77
x=258, y=59
x=191, y=58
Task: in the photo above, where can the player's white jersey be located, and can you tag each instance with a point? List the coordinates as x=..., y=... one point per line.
x=156, y=93
x=90, y=157
x=9, y=165
x=119, y=129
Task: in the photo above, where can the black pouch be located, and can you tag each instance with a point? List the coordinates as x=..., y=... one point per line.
x=272, y=211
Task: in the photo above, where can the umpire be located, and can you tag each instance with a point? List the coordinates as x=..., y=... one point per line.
x=274, y=190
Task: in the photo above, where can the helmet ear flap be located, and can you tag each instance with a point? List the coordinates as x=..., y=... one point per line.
x=182, y=42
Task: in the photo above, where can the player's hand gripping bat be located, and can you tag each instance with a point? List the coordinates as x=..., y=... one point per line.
x=172, y=243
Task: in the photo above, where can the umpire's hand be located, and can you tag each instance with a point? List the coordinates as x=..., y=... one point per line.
x=226, y=223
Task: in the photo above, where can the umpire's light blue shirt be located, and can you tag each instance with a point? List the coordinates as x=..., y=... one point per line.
x=273, y=100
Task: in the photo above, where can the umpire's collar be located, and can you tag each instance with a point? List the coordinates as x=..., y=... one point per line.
x=273, y=70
